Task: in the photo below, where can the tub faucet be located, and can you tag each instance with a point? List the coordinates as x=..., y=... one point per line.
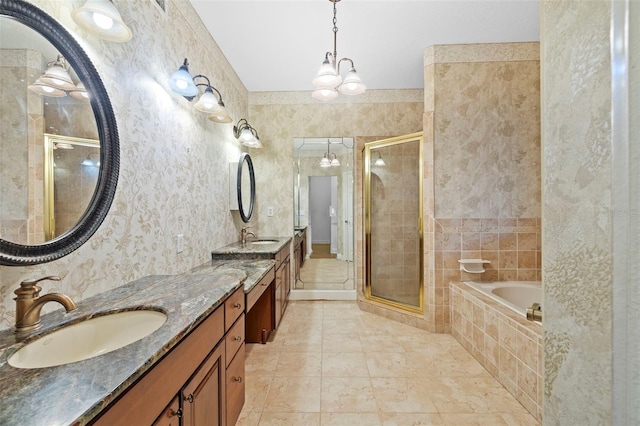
x=29, y=303
x=244, y=233
x=534, y=313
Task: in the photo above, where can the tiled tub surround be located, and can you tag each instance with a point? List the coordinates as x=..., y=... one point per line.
x=513, y=245
x=75, y=393
x=505, y=343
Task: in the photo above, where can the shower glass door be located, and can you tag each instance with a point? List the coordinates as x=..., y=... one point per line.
x=393, y=222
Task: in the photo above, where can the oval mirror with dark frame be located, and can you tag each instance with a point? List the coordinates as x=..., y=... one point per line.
x=246, y=187
x=16, y=251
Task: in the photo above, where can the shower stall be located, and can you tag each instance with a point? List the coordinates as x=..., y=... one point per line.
x=393, y=176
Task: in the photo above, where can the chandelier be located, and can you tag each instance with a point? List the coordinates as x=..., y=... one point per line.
x=328, y=82
x=327, y=160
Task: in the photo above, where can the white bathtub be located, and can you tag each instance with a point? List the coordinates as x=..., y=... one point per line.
x=516, y=295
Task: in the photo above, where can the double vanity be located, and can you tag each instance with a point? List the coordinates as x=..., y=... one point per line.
x=191, y=367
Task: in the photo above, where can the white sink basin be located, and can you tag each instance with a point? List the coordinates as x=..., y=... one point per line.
x=87, y=339
x=262, y=242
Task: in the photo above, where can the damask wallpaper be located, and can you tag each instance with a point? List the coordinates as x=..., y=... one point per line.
x=173, y=160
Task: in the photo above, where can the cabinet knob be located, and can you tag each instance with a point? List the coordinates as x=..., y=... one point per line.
x=175, y=413
x=237, y=305
x=237, y=379
x=238, y=338
x=189, y=398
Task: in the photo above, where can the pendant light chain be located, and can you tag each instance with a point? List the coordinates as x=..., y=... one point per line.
x=335, y=33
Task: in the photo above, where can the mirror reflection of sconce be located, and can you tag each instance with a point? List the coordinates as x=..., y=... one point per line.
x=379, y=161
x=183, y=84
x=56, y=82
x=101, y=18
x=247, y=134
x=89, y=162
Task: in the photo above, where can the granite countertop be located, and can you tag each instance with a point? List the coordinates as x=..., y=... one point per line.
x=249, y=250
x=254, y=269
x=75, y=393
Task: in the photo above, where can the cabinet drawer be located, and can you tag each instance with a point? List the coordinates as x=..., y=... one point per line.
x=234, y=339
x=259, y=289
x=233, y=307
x=235, y=387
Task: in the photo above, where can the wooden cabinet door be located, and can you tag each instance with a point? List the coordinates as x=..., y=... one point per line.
x=203, y=397
x=171, y=415
x=235, y=387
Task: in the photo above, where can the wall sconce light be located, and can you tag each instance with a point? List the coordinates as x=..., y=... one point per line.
x=56, y=82
x=379, y=160
x=102, y=18
x=183, y=84
x=247, y=134
x=327, y=161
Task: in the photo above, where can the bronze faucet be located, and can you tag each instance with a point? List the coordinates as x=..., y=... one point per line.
x=29, y=305
x=243, y=235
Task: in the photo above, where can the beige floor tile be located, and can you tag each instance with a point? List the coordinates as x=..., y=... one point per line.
x=298, y=364
x=390, y=364
x=426, y=343
x=347, y=395
x=258, y=364
x=459, y=395
x=350, y=419
x=341, y=343
x=305, y=326
x=520, y=419
x=332, y=364
x=290, y=419
x=249, y=419
x=340, y=326
x=293, y=395
x=256, y=389
x=380, y=343
x=403, y=395
x=474, y=419
x=302, y=342
x=344, y=364
x=413, y=419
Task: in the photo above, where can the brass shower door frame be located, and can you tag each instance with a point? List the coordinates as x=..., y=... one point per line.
x=413, y=137
x=49, y=177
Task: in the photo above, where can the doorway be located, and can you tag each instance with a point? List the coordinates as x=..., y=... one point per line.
x=323, y=218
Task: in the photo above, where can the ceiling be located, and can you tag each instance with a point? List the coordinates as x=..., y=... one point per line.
x=277, y=45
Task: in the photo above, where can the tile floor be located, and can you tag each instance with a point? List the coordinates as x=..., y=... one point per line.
x=332, y=364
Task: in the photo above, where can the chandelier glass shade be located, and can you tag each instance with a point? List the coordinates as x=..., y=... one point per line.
x=328, y=82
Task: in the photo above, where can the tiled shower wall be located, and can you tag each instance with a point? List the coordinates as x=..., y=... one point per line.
x=21, y=201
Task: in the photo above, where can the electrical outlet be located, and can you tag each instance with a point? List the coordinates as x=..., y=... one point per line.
x=179, y=243
x=269, y=211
